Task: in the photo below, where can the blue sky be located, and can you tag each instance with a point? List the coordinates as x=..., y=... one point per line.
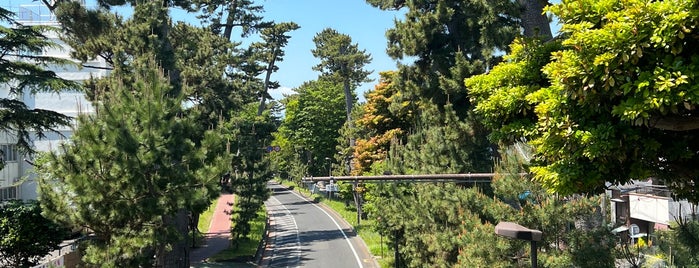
x=365, y=24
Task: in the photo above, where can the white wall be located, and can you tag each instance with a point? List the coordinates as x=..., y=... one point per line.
x=649, y=208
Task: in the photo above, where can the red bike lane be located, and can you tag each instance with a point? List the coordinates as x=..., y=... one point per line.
x=217, y=238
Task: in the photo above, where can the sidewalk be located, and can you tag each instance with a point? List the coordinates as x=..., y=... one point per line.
x=217, y=238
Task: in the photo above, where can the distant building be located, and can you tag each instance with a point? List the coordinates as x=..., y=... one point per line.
x=17, y=180
x=649, y=206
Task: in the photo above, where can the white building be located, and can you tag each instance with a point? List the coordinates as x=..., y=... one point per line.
x=16, y=179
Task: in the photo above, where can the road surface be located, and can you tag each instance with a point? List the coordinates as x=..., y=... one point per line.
x=302, y=234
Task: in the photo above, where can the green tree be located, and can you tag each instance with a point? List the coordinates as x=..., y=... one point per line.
x=344, y=60
x=249, y=134
x=238, y=13
x=23, y=70
x=308, y=134
x=450, y=40
x=25, y=235
x=130, y=173
x=216, y=76
x=531, y=16
x=271, y=51
x=455, y=221
x=622, y=78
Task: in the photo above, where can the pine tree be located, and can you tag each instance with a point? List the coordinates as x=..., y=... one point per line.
x=249, y=134
x=130, y=173
x=343, y=60
x=271, y=52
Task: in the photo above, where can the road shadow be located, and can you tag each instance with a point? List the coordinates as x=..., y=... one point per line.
x=308, y=237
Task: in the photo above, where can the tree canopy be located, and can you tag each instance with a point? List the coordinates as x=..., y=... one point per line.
x=309, y=132
x=616, y=102
x=135, y=152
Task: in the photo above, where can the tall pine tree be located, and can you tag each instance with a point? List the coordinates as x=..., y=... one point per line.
x=249, y=134
x=130, y=173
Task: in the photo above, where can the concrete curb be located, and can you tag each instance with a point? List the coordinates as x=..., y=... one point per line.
x=262, y=247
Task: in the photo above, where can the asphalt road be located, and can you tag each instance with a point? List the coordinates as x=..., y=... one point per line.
x=304, y=234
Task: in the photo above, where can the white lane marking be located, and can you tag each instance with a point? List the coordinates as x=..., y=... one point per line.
x=356, y=256
x=287, y=215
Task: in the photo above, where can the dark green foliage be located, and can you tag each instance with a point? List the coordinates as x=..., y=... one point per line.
x=339, y=57
x=239, y=13
x=25, y=235
x=248, y=135
x=309, y=131
x=445, y=144
x=593, y=248
x=453, y=223
x=211, y=80
x=450, y=40
x=23, y=71
x=129, y=173
x=681, y=242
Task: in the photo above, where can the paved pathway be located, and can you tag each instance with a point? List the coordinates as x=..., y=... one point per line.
x=305, y=234
x=217, y=238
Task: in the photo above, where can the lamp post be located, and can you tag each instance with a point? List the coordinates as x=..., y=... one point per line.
x=330, y=166
x=516, y=231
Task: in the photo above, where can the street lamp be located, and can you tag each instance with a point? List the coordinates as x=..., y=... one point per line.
x=516, y=231
x=330, y=166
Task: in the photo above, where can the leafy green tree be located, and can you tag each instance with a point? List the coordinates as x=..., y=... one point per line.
x=130, y=173
x=25, y=235
x=622, y=78
x=309, y=130
x=23, y=70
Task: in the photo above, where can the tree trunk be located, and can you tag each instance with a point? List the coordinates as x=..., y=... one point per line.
x=534, y=21
x=270, y=67
x=193, y=223
x=228, y=28
x=348, y=106
x=178, y=257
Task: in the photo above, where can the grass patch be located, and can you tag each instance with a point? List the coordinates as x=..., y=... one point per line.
x=371, y=238
x=247, y=246
x=203, y=225
x=205, y=218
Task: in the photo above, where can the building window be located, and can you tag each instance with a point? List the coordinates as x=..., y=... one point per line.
x=8, y=193
x=8, y=152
